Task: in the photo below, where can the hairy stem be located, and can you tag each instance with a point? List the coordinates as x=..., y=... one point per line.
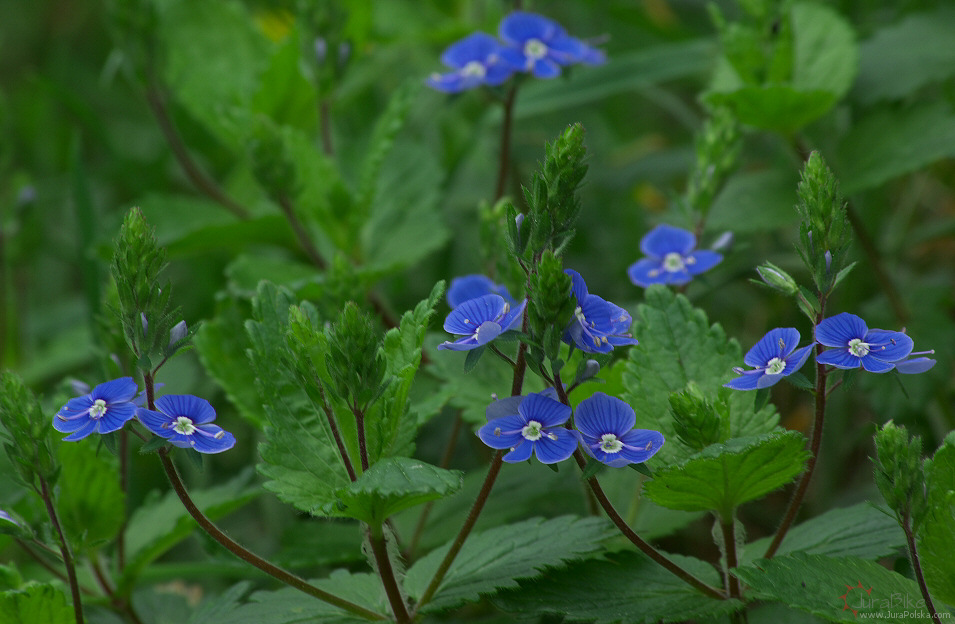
x=504, y=158
x=301, y=235
x=362, y=442
x=386, y=572
x=68, y=562
x=728, y=526
x=333, y=425
x=917, y=566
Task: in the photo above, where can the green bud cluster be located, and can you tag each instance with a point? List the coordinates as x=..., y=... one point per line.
x=551, y=304
x=144, y=308
x=26, y=432
x=326, y=41
x=270, y=163
x=355, y=361
x=696, y=420
x=717, y=153
x=899, y=474
x=824, y=232
x=552, y=201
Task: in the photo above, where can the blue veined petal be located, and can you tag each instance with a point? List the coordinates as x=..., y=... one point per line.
x=498, y=72
x=503, y=407
x=840, y=358
x=478, y=47
x=874, y=365
x=838, y=330
x=115, y=417
x=519, y=27
x=889, y=346
x=702, y=260
x=514, y=58
x=664, y=239
x=198, y=410
x=578, y=287
x=551, y=450
x=797, y=359
x=513, y=318
x=205, y=439
x=545, y=68
x=467, y=343
x=521, y=452
x=640, y=445
x=567, y=50
x=748, y=380
x=767, y=380
x=154, y=421
x=86, y=428
x=601, y=414
x=502, y=433
x=769, y=347
x=646, y=272
x=546, y=411
x=914, y=366
x=468, y=316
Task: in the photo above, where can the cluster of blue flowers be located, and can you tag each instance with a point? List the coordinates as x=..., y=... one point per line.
x=183, y=419
x=851, y=345
x=529, y=43
x=536, y=424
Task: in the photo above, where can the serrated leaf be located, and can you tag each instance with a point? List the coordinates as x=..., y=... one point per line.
x=678, y=346
x=624, y=588
x=35, y=604
x=936, y=533
x=495, y=559
x=159, y=524
x=724, y=476
x=89, y=500
x=391, y=485
x=860, y=531
x=828, y=587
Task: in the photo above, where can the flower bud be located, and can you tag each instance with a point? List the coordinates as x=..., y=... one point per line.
x=177, y=333
x=723, y=241
x=777, y=279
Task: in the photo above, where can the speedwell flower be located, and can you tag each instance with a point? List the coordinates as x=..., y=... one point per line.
x=186, y=421
x=541, y=46
x=855, y=345
x=530, y=424
x=476, y=60
x=605, y=428
x=775, y=356
x=473, y=286
x=672, y=258
x=103, y=410
x=480, y=321
x=598, y=326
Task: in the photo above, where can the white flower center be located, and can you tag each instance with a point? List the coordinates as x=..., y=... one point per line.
x=532, y=431
x=775, y=366
x=98, y=408
x=858, y=348
x=610, y=444
x=475, y=69
x=535, y=49
x=183, y=425
x=673, y=262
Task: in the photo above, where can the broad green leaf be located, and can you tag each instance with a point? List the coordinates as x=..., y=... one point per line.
x=35, y=604
x=859, y=531
x=724, y=476
x=888, y=143
x=247, y=270
x=290, y=606
x=825, y=54
x=495, y=559
x=299, y=455
x=900, y=58
x=828, y=587
x=936, y=534
x=624, y=588
x=89, y=500
x=162, y=522
x=218, y=608
x=284, y=93
x=390, y=485
x=755, y=202
x=679, y=346
x=780, y=108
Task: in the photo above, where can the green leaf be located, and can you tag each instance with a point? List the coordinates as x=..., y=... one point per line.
x=936, y=533
x=780, y=108
x=299, y=455
x=678, y=346
x=755, y=201
x=247, y=270
x=900, y=58
x=35, y=604
x=825, y=55
x=724, y=476
x=390, y=485
x=860, y=531
x=828, y=587
x=161, y=523
x=626, y=587
x=888, y=143
x=495, y=559
x=89, y=500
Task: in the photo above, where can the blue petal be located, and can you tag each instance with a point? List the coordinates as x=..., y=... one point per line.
x=468, y=316
x=551, y=451
x=797, y=359
x=768, y=346
x=115, y=417
x=578, y=287
x=86, y=429
x=545, y=68
x=567, y=50
x=503, y=407
x=601, y=414
x=701, y=261
x=514, y=318
x=646, y=272
x=468, y=287
x=889, y=346
x=519, y=27
x=515, y=59
x=838, y=330
x=467, y=343
x=664, y=239
x=875, y=365
x=452, y=82
x=548, y=412
x=648, y=440
x=768, y=380
x=522, y=452
x=915, y=365
x=478, y=47
x=116, y=391
x=840, y=358
x=510, y=435
x=154, y=421
x=747, y=381
x=497, y=72
x=199, y=411
x=204, y=440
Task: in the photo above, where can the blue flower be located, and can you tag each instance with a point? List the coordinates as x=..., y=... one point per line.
x=473, y=286
x=476, y=60
x=598, y=326
x=480, y=321
x=855, y=345
x=530, y=424
x=775, y=356
x=605, y=428
x=186, y=421
x=671, y=258
x=103, y=410
x=540, y=46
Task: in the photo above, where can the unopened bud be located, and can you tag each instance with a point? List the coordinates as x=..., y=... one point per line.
x=723, y=241
x=828, y=262
x=177, y=333
x=778, y=279
x=142, y=317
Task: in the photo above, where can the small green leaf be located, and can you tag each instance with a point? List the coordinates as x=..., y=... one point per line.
x=35, y=604
x=724, y=476
x=828, y=587
x=623, y=587
x=472, y=358
x=936, y=533
x=391, y=485
x=496, y=558
x=90, y=502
